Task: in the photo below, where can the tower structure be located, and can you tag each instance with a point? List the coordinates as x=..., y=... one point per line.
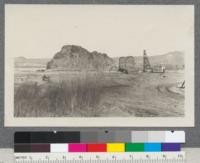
x=146, y=63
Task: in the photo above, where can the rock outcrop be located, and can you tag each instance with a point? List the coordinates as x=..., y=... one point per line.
x=76, y=58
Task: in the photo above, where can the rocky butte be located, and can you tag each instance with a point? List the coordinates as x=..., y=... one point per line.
x=76, y=58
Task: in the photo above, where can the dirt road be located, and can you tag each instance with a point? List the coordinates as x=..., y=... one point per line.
x=145, y=95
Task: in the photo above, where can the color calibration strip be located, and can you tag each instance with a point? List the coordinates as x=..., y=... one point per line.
x=107, y=147
x=100, y=141
x=100, y=137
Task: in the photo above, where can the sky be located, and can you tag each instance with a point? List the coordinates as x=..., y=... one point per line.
x=40, y=31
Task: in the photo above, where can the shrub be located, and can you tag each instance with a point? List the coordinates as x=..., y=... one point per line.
x=76, y=96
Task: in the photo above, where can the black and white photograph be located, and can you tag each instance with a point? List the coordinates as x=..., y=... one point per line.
x=129, y=65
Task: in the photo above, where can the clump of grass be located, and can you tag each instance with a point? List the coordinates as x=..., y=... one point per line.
x=76, y=97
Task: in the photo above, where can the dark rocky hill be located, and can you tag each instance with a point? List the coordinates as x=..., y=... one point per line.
x=76, y=58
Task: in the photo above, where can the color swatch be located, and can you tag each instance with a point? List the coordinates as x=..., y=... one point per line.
x=171, y=147
x=96, y=148
x=134, y=147
x=77, y=147
x=56, y=148
x=152, y=147
x=115, y=147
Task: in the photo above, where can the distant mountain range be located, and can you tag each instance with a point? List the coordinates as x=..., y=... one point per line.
x=21, y=62
x=72, y=57
x=171, y=60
